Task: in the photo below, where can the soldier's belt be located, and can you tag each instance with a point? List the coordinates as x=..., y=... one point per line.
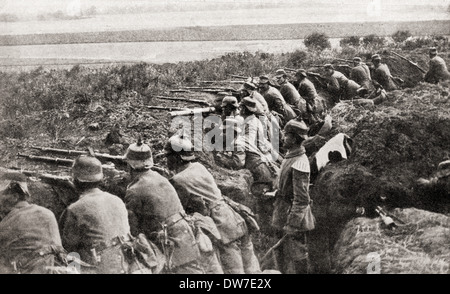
x=111, y=243
x=173, y=219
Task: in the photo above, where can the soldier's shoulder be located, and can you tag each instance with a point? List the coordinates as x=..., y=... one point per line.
x=301, y=164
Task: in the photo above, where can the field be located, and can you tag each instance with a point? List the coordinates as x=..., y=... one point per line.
x=232, y=33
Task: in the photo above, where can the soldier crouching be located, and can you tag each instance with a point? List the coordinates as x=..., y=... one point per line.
x=199, y=193
x=155, y=209
x=29, y=234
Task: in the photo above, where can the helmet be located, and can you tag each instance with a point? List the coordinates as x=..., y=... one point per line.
x=297, y=127
x=328, y=66
x=301, y=72
x=280, y=73
x=87, y=169
x=182, y=146
x=230, y=100
x=139, y=155
x=376, y=57
x=248, y=86
x=357, y=59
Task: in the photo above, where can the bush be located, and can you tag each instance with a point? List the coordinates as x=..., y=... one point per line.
x=373, y=40
x=317, y=41
x=401, y=36
x=419, y=42
x=350, y=41
x=297, y=58
x=6, y=17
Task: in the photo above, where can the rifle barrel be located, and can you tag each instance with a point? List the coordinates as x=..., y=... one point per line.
x=77, y=152
x=411, y=62
x=182, y=99
x=192, y=111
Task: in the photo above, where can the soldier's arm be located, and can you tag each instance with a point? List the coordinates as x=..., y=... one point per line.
x=134, y=207
x=333, y=85
x=71, y=233
x=191, y=203
x=300, y=181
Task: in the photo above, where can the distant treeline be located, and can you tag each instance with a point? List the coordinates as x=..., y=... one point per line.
x=234, y=33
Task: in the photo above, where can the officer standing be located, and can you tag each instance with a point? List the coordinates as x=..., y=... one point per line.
x=155, y=209
x=95, y=225
x=199, y=193
x=29, y=234
x=292, y=216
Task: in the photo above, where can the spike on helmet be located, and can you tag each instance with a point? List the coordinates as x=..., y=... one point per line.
x=139, y=155
x=87, y=169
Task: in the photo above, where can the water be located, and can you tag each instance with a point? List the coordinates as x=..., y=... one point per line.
x=151, y=52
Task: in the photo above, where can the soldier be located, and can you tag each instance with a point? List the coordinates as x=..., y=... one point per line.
x=249, y=89
x=199, y=193
x=315, y=104
x=97, y=223
x=155, y=209
x=339, y=85
x=360, y=73
x=29, y=236
x=289, y=93
x=254, y=152
x=292, y=215
x=382, y=75
x=437, y=70
x=440, y=182
x=275, y=100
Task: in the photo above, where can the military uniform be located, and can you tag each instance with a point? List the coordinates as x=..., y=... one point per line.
x=156, y=210
x=29, y=240
x=382, y=75
x=258, y=97
x=361, y=75
x=341, y=86
x=437, y=71
x=292, y=97
x=90, y=227
x=276, y=102
x=198, y=192
x=292, y=212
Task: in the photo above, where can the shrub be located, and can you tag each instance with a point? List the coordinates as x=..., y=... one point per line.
x=297, y=58
x=350, y=41
x=401, y=36
x=373, y=40
x=6, y=17
x=317, y=41
x=418, y=42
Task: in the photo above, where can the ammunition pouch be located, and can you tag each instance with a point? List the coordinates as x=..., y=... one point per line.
x=177, y=241
x=246, y=213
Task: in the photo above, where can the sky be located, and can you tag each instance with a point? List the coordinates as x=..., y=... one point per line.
x=30, y=7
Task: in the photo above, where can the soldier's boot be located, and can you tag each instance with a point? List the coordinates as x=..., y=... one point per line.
x=249, y=259
x=231, y=258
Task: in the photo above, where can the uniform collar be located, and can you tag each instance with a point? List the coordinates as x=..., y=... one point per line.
x=295, y=152
x=89, y=191
x=21, y=204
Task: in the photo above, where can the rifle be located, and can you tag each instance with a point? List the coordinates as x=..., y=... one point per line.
x=62, y=161
x=223, y=82
x=238, y=77
x=410, y=62
x=192, y=111
x=290, y=69
x=78, y=152
x=343, y=60
x=164, y=108
x=183, y=99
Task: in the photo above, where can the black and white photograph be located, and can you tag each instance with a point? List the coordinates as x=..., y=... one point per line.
x=224, y=142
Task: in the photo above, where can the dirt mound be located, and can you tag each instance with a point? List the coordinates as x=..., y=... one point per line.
x=418, y=247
